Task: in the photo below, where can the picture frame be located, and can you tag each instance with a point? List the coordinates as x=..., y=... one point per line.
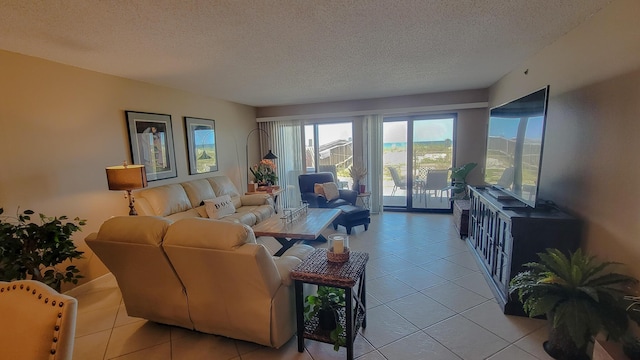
x=201, y=145
x=151, y=141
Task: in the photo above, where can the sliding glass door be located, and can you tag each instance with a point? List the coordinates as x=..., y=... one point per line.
x=417, y=154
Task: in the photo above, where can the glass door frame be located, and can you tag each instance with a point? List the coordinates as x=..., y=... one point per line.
x=410, y=119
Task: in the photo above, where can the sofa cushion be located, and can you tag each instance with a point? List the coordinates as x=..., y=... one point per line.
x=222, y=185
x=330, y=191
x=185, y=214
x=163, y=200
x=198, y=190
x=219, y=207
x=243, y=215
x=262, y=212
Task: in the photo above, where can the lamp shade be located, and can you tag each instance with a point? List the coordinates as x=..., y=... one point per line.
x=126, y=177
x=270, y=155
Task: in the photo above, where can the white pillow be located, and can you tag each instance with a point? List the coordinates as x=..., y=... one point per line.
x=219, y=207
x=331, y=191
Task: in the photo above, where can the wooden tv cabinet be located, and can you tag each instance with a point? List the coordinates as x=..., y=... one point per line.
x=503, y=237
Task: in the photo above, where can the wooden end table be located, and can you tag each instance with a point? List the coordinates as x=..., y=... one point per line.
x=316, y=269
x=365, y=199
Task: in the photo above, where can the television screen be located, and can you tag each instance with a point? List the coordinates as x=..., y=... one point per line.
x=514, y=146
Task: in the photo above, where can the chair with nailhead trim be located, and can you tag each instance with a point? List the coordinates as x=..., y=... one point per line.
x=37, y=321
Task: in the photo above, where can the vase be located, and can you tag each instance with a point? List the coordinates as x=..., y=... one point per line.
x=356, y=186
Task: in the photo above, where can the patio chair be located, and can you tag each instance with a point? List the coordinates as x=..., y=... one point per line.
x=437, y=180
x=419, y=181
x=398, y=182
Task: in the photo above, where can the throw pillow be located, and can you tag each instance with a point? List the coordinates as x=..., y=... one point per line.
x=331, y=191
x=219, y=207
x=318, y=189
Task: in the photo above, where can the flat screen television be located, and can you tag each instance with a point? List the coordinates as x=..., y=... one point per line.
x=515, y=139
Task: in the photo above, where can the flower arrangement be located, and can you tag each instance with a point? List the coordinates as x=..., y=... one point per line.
x=265, y=172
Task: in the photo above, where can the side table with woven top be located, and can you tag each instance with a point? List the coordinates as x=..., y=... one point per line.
x=316, y=269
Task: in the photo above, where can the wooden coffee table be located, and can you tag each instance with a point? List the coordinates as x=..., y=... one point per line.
x=306, y=227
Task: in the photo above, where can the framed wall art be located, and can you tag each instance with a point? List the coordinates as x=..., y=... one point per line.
x=151, y=140
x=201, y=145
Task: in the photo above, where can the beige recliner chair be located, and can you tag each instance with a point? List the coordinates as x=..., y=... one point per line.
x=37, y=321
x=130, y=246
x=235, y=287
x=202, y=274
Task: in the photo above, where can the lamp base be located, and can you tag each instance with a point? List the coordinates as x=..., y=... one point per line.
x=132, y=209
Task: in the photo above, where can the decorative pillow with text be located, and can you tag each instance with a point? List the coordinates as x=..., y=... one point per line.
x=219, y=207
x=331, y=191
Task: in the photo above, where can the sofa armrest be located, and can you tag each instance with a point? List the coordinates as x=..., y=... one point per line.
x=349, y=195
x=285, y=264
x=256, y=200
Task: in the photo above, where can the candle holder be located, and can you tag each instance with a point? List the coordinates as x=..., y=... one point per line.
x=338, y=250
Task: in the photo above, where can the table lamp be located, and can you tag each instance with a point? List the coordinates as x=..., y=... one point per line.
x=127, y=177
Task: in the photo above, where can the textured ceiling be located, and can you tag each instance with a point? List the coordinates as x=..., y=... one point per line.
x=280, y=52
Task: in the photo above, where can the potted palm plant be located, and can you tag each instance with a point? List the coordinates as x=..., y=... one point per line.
x=325, y=305
x=31, y=250
x=459, y=178
x=578, y=297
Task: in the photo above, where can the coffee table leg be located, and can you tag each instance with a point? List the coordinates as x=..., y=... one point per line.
x=299, y=314
x=286, y=244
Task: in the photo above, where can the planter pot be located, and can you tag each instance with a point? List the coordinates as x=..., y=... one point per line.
x=560, y=346
x=327, y=319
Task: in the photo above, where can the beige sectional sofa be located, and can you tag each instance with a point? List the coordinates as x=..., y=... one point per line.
x=185, y=200
x=202, y=274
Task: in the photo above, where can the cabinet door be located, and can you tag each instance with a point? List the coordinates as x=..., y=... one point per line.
x=504, y=243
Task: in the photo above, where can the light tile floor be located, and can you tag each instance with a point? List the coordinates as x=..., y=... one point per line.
x=426, y=300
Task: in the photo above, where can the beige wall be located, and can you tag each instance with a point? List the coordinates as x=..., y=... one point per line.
x=61, y=126
x=379, y=105
x=590, y=161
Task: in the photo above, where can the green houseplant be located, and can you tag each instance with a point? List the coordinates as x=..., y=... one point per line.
x=30, y=250
x=631, y=342
x=325, y=305
x=459, y=179
x=578, y=297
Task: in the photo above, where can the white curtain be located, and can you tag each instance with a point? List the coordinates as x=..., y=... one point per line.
x=285, y=140
x=373, y=158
